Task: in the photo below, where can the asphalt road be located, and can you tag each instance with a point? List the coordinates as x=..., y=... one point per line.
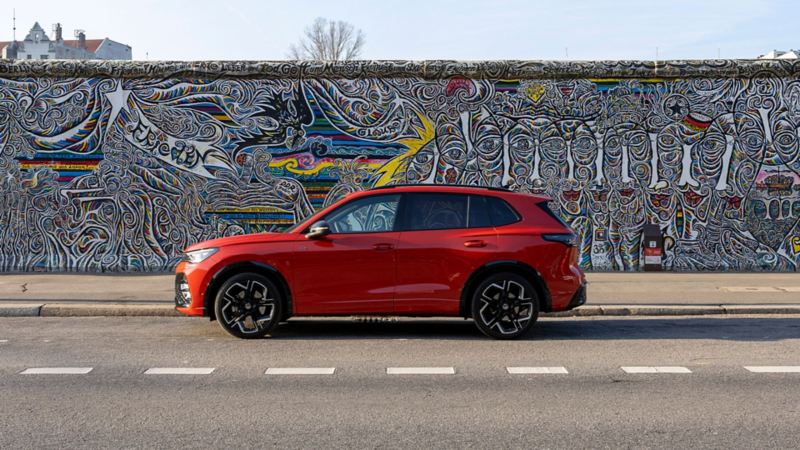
x=716, y=403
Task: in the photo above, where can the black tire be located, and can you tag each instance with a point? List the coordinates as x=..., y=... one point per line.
x=505, y=306
x=248, y=305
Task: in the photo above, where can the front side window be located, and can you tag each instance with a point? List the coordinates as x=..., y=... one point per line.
x=425, y=211
x=372, y=214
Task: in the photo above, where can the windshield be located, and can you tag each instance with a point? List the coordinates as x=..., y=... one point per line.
x=294, y=227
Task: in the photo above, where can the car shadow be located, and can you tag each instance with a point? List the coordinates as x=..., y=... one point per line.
x=756, y=329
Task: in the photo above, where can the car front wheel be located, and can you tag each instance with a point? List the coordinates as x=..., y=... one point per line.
x=505, y=306
x=248, y=305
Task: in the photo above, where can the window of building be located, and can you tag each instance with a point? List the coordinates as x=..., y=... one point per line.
x=44, y=56
x=29, y=57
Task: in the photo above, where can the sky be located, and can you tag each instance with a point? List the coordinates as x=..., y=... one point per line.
x=428, y=29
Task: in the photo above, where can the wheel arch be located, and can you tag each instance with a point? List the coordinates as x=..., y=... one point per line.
x=513, y=266
x=260, y=268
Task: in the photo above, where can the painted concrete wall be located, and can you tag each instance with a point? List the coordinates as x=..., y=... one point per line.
x=117, y=166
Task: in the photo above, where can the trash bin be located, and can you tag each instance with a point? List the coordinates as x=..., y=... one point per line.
x=653, y=248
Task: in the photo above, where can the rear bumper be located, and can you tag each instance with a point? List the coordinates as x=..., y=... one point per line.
x=579, y=298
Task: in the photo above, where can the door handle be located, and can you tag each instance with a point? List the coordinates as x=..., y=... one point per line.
x=383, y=246
x=475, y=243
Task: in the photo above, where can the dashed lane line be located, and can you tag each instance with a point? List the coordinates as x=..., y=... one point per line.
x=773, y=369
x=537, y=370
x=420, y=370
x=655, y=369
x=57, y=371
x=179, y=371
x=514, y=370
x=300, y=371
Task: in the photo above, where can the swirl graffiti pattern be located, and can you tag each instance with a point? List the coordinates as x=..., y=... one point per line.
x=109, y=166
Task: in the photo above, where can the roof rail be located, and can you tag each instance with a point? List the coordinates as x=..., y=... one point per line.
x=491, y=188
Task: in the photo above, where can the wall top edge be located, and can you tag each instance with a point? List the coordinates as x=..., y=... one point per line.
x=434, y=69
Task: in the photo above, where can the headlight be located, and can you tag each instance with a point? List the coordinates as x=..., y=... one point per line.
x=197, y=256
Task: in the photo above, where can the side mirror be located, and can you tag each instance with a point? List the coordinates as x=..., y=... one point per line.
x=318, y=230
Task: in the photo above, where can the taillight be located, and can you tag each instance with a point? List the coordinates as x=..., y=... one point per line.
x=567, y=239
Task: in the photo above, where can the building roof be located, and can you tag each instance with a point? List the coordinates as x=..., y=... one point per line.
x=781, y=54
x=91, y=44
x=34, y=28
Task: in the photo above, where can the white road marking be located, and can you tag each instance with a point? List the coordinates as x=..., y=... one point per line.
x=57, y=371
x=773, y=369
x=537, y=370
x=420, y=370
x=656, y=369
x=179, y=371
x=300, y=371
x=3, y=341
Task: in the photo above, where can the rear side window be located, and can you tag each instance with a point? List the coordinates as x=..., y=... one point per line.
x=479, y=216
x=545, y=206
x=501, y=212
x=424, y=211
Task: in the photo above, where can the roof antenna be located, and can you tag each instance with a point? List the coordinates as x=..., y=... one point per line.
x=14, y=19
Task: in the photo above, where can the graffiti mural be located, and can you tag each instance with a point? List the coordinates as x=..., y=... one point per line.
x=118, y=166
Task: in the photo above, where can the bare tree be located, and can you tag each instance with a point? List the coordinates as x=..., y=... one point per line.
x=329, y=40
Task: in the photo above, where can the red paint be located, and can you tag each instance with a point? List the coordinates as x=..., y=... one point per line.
x=692, y=198
x=571, y=195
x=398, y=272
x=459, y=83
x=735, y=201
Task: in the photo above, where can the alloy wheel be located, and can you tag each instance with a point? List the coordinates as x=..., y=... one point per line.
x=248, y=306
x=505, y=307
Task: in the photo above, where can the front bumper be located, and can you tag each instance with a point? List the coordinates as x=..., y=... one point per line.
x=183, y=295
x=188, y=296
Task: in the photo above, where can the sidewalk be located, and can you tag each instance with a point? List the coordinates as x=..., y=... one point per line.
x=641, y=293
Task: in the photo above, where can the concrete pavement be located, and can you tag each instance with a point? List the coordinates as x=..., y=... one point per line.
x=718, y=403
x=609, y=294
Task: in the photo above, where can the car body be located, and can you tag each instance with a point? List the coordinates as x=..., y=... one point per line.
x=414, y=250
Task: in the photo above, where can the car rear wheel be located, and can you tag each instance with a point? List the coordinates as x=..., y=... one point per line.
x=248, y=305
x=505, y=306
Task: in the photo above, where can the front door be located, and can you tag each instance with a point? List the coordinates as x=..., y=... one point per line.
x=351, y=270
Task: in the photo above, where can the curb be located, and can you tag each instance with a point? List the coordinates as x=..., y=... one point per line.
x=86, y=310
x=674, y=310
x=20, y=309
x=168, y=310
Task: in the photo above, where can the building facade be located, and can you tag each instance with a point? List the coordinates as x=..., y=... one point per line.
x=118, y=166
x=38, y=45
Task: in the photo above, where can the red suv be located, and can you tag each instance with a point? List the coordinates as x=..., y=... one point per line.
x=495, y=256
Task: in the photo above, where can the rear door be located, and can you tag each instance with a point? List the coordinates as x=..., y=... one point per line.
x=443, y=238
